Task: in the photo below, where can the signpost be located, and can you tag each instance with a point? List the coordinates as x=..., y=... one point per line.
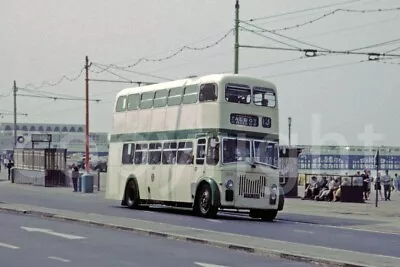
x=378, y=165
x=41, y=138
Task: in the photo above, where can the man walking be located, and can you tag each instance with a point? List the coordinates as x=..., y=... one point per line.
x=387, y=185
x=75, y=176
x=10, y=165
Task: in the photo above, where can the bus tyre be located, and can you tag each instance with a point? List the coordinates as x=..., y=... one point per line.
x=268, y=215
x=131, y=195
x=204, y=205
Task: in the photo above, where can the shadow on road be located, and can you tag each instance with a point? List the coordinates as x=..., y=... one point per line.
x=224, y=216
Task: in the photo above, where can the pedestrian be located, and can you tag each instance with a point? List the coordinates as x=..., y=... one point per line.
x=10, y=164
x=366, y=184
x=75, y=176
x=378, y=187
x=387, y=185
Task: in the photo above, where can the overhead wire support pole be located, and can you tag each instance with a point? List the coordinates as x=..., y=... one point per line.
x=237, y=7
x=87, y=116
x=15, y=114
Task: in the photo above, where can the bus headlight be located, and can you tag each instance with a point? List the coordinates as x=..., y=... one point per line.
x=229, y=184
x=274, y=192
x=274, y=189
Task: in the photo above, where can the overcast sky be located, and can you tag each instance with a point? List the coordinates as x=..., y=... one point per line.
x=332, y=99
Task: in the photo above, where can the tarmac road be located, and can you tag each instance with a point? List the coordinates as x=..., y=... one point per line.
x=29, y=241
x=284, y=229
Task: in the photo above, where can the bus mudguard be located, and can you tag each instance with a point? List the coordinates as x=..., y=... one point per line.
x=216, y=195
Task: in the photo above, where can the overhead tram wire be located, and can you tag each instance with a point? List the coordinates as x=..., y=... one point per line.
x=331, y=13
x=103, y=66
x=179, y=51
x=378, y=45
x=59, y=98
x=49, y=84
x=316, y=69
x=313, y=52
x=125, y=80
x=44, y=93
x=280, y=35
x=302, y=11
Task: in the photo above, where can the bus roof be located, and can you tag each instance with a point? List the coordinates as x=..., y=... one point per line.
x=188, y=81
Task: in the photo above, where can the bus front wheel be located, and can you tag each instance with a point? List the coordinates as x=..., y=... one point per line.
x=131, y=195
x=268, y=215
x=204, y=205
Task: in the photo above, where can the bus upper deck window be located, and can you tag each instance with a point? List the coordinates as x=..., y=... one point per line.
x=208, y=92
x=237, y=93
x=264, y=97
x=121, y=104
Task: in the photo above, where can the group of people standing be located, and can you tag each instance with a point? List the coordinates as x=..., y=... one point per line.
x=389, y=184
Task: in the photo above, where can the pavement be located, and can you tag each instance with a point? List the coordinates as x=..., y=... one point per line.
x=71, y=244
x=305, y=230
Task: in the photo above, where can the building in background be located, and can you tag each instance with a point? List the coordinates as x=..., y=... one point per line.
x=341, y=160
x=67, y=136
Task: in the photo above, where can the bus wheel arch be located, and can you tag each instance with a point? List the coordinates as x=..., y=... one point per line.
x=131, y=194
x=207, y=193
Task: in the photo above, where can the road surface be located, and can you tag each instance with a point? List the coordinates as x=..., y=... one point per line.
x=290, y=231
x=29, y=241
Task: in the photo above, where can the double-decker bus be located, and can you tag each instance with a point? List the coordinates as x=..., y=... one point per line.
x=207, y=143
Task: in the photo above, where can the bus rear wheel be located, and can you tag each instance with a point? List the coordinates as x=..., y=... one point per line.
x=132, y=195
x=204, y=206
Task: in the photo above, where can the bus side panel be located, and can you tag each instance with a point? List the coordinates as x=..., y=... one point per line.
x=208, y=115
x=172, y=119
x=181, y=182
x=144, y=120
x=114, y=172
x=187, y=117
x=132, y=121
x=166, y=182
x=158, y=121
x=119, y=122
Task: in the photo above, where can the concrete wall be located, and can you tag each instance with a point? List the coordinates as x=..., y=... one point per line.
x=29, y=177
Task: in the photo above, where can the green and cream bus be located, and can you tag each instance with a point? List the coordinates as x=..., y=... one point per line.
x=207, y=143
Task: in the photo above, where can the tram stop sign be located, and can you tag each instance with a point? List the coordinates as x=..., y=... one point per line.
x=41, y=138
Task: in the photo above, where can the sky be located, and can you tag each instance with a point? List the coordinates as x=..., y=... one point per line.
x=332, y=99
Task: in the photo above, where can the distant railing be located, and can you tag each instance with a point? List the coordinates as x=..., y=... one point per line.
x=40, y=159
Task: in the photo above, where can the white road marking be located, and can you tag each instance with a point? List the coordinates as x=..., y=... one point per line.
x=208, y=264
x=58, y=259
x=302, y=231
x=4, y=245
x=51, y=232
x=352, y=228
x=214, y=221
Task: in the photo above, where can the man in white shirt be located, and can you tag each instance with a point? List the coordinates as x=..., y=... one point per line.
x=387, y=185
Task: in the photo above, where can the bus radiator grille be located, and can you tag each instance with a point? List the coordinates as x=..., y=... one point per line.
x=252, y=187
